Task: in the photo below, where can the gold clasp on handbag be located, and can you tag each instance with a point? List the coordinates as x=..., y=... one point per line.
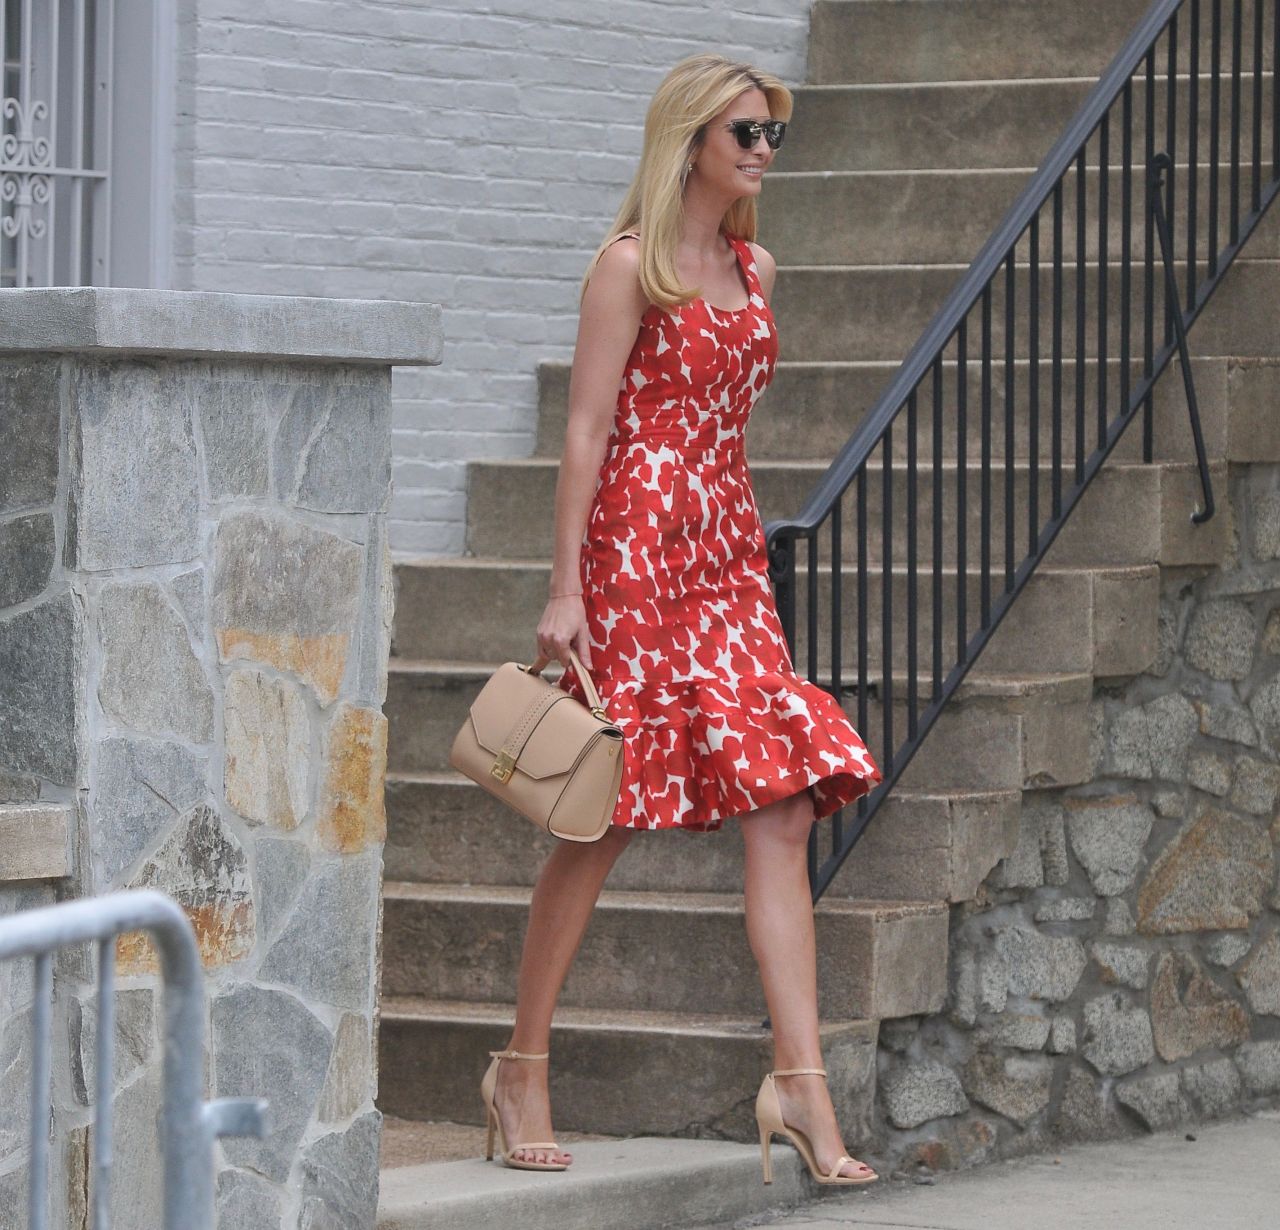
x=600, y=713
x=502, y=766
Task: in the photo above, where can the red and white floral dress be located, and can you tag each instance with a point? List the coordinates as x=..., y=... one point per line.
x=687, y=649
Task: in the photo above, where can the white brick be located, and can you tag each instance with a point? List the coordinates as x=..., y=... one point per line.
x=421, y=149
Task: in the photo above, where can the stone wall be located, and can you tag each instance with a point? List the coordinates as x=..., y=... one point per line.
x=1120, y=971
x=193, y=648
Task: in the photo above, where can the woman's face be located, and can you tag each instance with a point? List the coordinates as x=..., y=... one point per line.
x=722, y=164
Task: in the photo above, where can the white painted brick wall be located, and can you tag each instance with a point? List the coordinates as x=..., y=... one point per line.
x=470, y=154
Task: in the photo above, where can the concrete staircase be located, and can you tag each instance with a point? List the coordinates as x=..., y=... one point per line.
x=921, y=123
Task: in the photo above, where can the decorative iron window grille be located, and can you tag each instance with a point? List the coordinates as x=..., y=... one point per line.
x=55, y=134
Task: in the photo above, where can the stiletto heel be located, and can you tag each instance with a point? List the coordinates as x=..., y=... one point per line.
x=769, y=1119
x=488, y=1092
x=488, y=1137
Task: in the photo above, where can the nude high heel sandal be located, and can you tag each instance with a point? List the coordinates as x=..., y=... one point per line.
x=488, y=1091
x=769, y=1119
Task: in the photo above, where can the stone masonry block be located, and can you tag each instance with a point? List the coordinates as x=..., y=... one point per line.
x=1016, y=1086
x=26, y=557
x=352, y=813
x=1259, y=1064
x=151, y=679
x=1040, y=966
x=135, y=486
x=30, y=416
x=204, y=868
x=232, y=418
x=332, y=449
x=1157, y=1100
x=1117, y=1036
x=349, y=1083
x=268, y=1044
x=1212, y=876
x=267, y=765
x=285, y=594
x=140, y=787
x=1259, y=975
x=1108, y=835
x=34, y=841
x=40, y=662
x=1220, y=638
x=340, y=1178
x=914, y=1093
x=325, y=951
x=280, y=868
x=1190, y=1011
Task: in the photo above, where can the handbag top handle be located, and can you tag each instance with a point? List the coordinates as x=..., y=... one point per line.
x=588, y=684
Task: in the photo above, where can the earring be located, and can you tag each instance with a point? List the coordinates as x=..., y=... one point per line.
x=688, y=166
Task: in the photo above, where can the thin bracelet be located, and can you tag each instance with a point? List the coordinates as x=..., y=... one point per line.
x=573, y=594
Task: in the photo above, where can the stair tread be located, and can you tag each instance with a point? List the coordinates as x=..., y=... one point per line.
x=451, y=777
x=708, y=1179
x=498, y=563
x=631, y=1020
x=974, y=683
x=969, y=83
x=899, y=464
x=630, y=899
x=941, y=172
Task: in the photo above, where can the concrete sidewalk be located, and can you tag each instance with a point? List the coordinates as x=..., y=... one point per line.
x=1227, y=1178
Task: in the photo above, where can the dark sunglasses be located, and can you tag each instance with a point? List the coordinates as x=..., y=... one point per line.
x=748, y=132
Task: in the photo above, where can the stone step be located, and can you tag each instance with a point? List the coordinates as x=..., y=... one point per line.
x=1129, y=514
x=416, y=1142
x=921, y=40
x=847, y=312
x=615, y=1071
x=998, y=732
x=1102, y=620
x=856, y=217
x=811, y=409
x=931, y=125
x=443, y=828
x=641, y=1184
x=662, y=952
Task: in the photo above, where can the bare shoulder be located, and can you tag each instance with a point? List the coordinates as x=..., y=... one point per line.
x=766, y=267
x=616, y=276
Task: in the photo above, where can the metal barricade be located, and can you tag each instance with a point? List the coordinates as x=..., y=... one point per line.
x=189, y=1124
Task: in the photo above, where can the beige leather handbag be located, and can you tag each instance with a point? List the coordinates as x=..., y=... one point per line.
x=543, y=751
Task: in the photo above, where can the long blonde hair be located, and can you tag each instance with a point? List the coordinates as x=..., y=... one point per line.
x=696, y=90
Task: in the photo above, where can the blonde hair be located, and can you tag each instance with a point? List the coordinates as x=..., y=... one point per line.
x=696, y=90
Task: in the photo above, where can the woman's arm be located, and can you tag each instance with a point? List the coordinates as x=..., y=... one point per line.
x=607, y=326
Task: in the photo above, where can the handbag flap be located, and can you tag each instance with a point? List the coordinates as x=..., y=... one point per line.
x=558, y=739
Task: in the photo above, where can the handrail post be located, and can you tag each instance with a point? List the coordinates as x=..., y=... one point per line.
x=1173, y=300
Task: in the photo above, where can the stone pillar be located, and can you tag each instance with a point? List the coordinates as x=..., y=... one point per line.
x=195, y=614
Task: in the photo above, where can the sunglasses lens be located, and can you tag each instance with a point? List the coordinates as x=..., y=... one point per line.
x=748, y=132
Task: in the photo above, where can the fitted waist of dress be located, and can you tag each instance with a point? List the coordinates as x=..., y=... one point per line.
x=680, y=440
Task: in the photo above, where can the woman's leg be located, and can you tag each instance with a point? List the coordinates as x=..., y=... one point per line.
x=563, y=899
x=780, y=929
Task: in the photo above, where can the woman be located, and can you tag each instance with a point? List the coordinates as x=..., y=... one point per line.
x=660, y=585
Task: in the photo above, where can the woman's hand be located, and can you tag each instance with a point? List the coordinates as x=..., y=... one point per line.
x=564, y=625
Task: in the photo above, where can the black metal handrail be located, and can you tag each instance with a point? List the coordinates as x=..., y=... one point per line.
x=1164, y=219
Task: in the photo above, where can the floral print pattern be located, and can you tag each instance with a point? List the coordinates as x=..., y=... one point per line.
x=687, y=648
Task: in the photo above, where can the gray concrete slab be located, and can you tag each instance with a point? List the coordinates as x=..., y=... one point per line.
x=643, y=1183
x=1227, y=1178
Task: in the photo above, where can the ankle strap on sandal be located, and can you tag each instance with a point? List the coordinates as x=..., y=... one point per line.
x=798, y=1072
x=518, y=1055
